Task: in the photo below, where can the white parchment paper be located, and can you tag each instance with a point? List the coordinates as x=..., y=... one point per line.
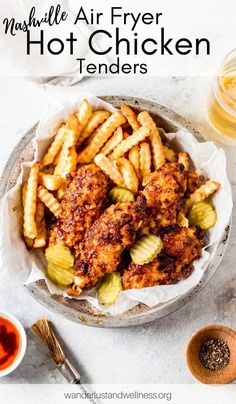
x=23, y=266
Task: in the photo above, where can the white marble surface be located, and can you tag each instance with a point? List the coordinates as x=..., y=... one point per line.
x=153, y=353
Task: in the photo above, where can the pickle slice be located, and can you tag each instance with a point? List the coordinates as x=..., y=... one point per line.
x=202, y=214
x=52, y=272
x=110, y=288
x=59, y=255
x=119, y=194
x=146, y=249
x=60, y=275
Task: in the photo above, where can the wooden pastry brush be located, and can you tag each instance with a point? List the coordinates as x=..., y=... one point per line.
x=43, y=329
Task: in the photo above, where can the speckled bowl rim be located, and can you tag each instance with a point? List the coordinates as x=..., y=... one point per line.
x=81, y=311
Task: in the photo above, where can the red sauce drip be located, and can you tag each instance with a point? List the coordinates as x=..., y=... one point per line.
x=9, y=343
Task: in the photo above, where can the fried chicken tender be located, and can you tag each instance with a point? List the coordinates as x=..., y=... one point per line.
x=142, y=276
x=164, y=194
x=82, y=204
x=181, y=246
x=104, y=242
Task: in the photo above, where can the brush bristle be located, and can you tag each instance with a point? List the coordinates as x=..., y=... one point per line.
x=43, y=329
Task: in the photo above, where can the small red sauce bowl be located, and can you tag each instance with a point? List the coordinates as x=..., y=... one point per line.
x=13, y=343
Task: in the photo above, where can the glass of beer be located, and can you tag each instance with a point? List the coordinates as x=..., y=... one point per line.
x=222, y=103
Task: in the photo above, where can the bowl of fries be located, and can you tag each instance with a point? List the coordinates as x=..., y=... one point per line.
x=94, y=153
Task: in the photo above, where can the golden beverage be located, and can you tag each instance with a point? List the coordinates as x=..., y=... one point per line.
x=222, y=103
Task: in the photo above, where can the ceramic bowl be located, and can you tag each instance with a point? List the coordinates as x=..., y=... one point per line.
x=81, y=311
x=23, y=343
x=222, y=376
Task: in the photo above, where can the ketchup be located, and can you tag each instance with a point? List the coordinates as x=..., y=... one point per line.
x=9, y=343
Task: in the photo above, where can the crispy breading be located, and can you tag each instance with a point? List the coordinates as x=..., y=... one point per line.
x=100, y=252
x=142, y=276
x=164, y=194
x=82, y=203
x=181, y=246
x=192, y=182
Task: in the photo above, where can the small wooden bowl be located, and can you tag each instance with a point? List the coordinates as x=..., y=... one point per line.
x=223, y=376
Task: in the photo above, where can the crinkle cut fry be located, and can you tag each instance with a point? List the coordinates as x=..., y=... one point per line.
x=203, y=192
x=30, y=227
x=115, y=139
x=156, y=144
x=97, y=118
x=49, y=200
x=108, y=127
x=145, y=161
x=130, y=116
x=138, y=136
x=110, y=168
x=134, y=159
x=128, y=173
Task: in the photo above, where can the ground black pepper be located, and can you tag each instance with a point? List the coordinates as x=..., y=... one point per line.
x=214, y=354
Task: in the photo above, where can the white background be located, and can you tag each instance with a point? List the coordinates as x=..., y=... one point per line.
x=152, y=353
